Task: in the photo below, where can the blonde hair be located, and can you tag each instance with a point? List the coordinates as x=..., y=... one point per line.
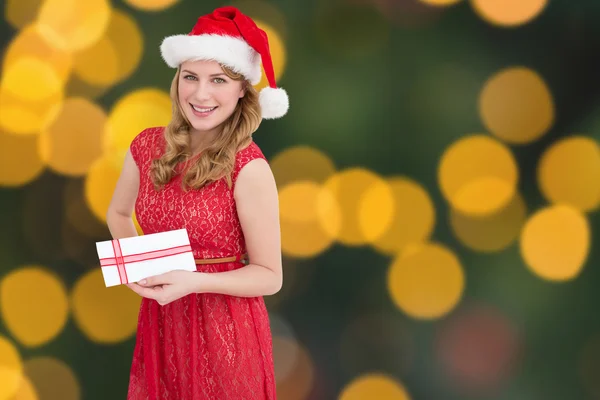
x=218, y=159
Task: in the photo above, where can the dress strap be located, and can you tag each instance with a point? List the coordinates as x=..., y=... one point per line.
x=243, y=258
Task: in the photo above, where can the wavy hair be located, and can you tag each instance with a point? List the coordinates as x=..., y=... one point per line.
x=218, y=159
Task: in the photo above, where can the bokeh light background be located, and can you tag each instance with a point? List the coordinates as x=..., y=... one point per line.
x=439, y=180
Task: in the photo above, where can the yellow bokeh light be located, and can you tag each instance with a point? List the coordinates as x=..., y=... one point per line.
x=426, y=282
x=366, y=202
x=74, y=140
x=478, y=175
x=278, y=54
x=298, y=382
x=34, y=305
x=31, y=79
x=310, y=219
x=20, y=162
x=73, y=25
x=493, y=232
x=25, y=117
x=104, y=315
x=115, y=56
x=569, y=172
x=376, y=211
x=30, y=42
x=52, y=379
x=516, y=105
x=374, y=386
x=20, y=13
x=26, y=391
x=11, y=369
x=136, y=111
x=301, y=163
x=440, y=2
x=555, y=242
x=78, y=214
x=508, y=13
x=414, y=216
x=100, y=184
x=151, y=5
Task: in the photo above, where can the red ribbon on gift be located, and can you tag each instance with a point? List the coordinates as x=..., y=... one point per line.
x=119, y=260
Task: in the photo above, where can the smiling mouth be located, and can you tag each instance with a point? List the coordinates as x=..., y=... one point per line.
x=203, y=110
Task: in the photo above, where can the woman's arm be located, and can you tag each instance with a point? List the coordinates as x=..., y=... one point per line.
x=257, y=203
x=120, y=211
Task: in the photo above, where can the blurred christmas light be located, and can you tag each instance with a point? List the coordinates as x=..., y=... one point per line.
x=132, y=113
x=52, y=379
x=490, y=233
x=104, y=316
x=301, y=163
x=478, y=175
x=26, y=390
x=555, y=242
x=508, y=13
x=20, y=13
x=569, y=173
x=21, y=151
x=30, y=42
x=426, y=281
x=73, y=141
x=479, y=350
x=34, y=305
x=299, y=381
x=115, y=56
x=516, y=105
x=151, y=5
x=310, y=218
x=11, y=368
x=100, y=184
x=73, y=25
x=31, y=79
x=366, y=203
x=414, y=216
x=374, y=386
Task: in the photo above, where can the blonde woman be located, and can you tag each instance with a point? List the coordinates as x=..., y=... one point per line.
x=206, y=334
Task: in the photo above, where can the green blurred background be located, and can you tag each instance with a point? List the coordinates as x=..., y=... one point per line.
x=439, y=180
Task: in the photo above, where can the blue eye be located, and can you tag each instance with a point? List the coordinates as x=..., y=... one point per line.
x=219, y=80
x=189, y=77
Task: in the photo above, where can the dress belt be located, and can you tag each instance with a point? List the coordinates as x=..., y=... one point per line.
x=239, y=258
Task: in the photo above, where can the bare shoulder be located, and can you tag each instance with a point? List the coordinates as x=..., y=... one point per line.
x=256, y=174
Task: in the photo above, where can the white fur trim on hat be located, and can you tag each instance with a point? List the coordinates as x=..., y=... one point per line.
x=233, y=52
x=274, y=103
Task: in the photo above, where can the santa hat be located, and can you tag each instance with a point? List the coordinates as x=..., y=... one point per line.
x=232, y=39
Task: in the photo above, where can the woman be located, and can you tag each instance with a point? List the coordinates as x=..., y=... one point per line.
x=206, y=334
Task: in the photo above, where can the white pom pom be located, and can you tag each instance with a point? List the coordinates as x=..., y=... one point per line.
x=274, y=103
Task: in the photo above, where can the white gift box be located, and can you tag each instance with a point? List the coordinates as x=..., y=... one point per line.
x=135, y=258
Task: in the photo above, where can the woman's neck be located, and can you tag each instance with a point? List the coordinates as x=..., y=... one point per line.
x=200, y=140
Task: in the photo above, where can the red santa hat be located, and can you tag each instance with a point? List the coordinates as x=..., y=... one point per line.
x=232, y=39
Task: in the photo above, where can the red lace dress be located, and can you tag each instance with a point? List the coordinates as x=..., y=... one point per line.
x=202, y=346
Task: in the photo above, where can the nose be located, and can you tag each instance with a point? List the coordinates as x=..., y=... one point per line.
x=203, y=91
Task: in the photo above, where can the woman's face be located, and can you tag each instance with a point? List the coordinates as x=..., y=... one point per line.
x=207, y=95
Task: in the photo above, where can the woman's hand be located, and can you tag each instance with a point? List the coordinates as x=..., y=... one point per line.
x=167, y=287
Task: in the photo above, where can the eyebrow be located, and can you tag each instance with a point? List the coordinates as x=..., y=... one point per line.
x=193, y=73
